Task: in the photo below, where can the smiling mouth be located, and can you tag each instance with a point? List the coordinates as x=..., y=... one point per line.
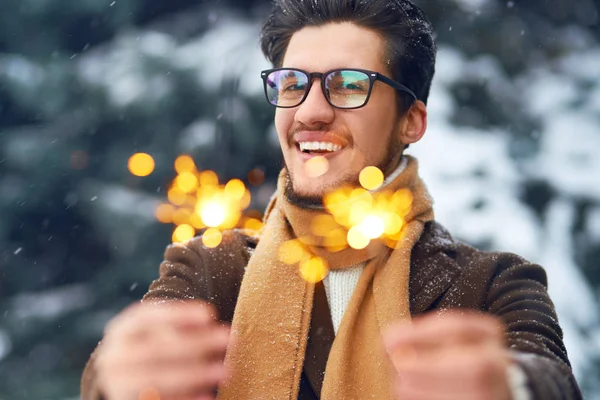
x=318, y=148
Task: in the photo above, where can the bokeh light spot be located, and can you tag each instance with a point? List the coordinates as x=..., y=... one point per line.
x=372, y=227
x=256, y=177
x=141, y=164
x=393, y=224
x=176, y=196
x=187, y=181
x=213, y=214
x=358, y=212
x=322, y=224
x=356, y=239
x=313, y=270
x=209, y=178
x=235, y=189
x=245, y=200
x=196, y=221
x=316, y=166
x=371, y=178
x=335, y=240
x=253, y=224
x=402, y=201
x=164, y=213
x=182, y=216
x=184, y=163
x=212, y=237
x=292, y=252
x=183, y=233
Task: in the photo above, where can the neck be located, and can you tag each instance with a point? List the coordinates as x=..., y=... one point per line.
x=393, y=165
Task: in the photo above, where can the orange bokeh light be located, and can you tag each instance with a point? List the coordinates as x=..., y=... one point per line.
x=314, y=270
x=371, y=178
x=184, y=163
x=183, y=233
x=141, y=164
x=187, y=181
x=164, y=213
x=212, y=237
x=256, y=177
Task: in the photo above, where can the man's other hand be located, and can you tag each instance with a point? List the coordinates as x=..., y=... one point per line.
x=171, y=351
x=455, y=355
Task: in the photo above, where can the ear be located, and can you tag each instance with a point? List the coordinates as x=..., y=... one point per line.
x=415, y=123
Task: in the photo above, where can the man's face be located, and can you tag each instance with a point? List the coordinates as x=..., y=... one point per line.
x=365, y=136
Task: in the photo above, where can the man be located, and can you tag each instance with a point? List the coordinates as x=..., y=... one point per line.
x=350, y=84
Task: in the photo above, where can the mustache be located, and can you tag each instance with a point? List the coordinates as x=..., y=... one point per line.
x=323, y=128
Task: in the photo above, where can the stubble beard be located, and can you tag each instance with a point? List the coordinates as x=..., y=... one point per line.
x=315, y=201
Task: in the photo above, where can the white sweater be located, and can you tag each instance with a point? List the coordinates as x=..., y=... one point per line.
x=340, y=283
x=339, y=286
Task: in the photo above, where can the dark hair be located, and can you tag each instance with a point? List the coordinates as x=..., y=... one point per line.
x=410, y=45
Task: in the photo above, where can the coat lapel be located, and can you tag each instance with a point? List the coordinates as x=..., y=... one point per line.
x=320, y=339
x=433, y=267
x=433, y=270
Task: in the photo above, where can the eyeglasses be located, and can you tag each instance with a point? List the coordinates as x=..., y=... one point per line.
x=343, y=88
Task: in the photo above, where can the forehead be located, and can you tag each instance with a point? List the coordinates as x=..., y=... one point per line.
x=335, y=45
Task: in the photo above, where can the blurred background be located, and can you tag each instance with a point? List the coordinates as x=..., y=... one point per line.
x=511, y=155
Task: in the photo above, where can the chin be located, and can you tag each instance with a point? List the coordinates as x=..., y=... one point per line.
x=305, y=199
x=308, y=192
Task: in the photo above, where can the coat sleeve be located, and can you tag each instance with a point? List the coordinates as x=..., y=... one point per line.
x=195, y=272
x=518, y=295
x=191, y=271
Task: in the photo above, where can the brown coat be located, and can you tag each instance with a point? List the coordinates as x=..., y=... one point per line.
x=444, y=274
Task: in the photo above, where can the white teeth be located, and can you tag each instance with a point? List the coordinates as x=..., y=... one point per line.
x=320, y=146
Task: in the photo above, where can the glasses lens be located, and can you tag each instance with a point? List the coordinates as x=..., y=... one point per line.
x=286, y=87
x=347, y=88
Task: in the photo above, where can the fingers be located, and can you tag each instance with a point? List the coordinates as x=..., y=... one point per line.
x=407, y=390
x=208, y=345
x=137, y=319
x=175, y=350
x=454, y=377
x=450, y=356
x=177, y=381
x=440, y=369
x=433, y=331
x=200, y=396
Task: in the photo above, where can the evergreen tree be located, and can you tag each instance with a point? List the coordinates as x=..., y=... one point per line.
x=84, y=85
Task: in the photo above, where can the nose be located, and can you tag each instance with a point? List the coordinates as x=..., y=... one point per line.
x=315, y=109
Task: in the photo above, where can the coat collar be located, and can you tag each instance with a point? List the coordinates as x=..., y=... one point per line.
x=433, y=267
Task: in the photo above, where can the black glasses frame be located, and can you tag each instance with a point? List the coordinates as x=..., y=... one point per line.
x=373, y=76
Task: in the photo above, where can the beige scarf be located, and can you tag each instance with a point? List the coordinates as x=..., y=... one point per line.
x=272, y=315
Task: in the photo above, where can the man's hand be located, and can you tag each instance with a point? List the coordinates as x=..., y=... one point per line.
x=450, y=356
x=170, y=351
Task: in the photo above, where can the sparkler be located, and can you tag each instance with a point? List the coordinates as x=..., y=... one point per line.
x=197, y=201
x=368, y=215
x=354, y=218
